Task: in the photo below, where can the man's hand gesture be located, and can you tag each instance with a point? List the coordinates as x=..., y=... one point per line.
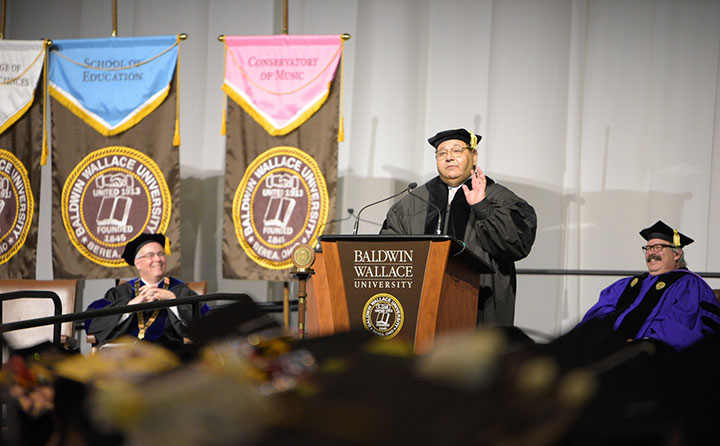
x=479, y=183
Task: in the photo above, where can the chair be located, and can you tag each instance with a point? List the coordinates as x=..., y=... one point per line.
x=23, y=309
x=200, y=287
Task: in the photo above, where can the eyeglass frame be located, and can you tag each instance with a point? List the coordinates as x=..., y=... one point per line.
x=152, y=255
x=653, y=248
x=443, y=155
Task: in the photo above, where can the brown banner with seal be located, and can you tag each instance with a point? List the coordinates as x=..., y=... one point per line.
x=279, y=190
x=109, y=189
x=20, y=153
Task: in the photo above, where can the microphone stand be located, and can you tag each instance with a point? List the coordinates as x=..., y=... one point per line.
x=357, y=216
x=350, y=212
x=438, y=231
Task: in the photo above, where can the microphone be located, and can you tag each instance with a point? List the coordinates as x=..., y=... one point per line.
x=357, y=216
x=350, y=212
x=337, y=220
x=437, y=229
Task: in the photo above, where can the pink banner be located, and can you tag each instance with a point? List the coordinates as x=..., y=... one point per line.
x=280, y=80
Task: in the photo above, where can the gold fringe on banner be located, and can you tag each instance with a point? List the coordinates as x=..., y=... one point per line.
x=15, y=118
x=223, y=125
x=176, y=136
x=7, y=81
x=139, y=116
x=149, y=108
x=341, y=125
x=249, y=109
x=44, y=155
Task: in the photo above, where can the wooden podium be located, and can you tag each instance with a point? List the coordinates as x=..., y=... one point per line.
x=413, y=287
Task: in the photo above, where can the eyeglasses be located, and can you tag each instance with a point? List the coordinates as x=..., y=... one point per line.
x=456, y=151
x=656, y=248
x=152, y=255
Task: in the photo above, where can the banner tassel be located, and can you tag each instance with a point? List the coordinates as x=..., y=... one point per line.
x=341, y=124
x=44, y=155
x=176, y=136
x=223, y=125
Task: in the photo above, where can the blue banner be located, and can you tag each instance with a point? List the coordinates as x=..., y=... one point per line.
x=112, y=83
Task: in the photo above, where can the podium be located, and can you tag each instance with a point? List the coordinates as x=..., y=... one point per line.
x=412, y=287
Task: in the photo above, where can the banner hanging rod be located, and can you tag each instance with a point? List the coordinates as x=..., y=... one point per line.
x=344, y=36
x=2, y=21
x=114, y=19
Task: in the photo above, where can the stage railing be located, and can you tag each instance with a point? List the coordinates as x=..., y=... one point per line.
x=195, y=301
x=595, y=272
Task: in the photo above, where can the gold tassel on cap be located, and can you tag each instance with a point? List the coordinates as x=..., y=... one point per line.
x=473, y=140
x=676, y=238
x=166, y=248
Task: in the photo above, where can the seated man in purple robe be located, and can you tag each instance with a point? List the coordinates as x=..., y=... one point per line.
x=669, y=303
x=166, y=326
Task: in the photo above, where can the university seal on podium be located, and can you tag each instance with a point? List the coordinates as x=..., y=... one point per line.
x=16, y=205
x=383, y=315
x=281, y=202
x=109, y=198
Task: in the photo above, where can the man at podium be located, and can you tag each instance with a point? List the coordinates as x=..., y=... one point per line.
x=462, y=202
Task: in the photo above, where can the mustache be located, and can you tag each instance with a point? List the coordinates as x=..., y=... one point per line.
x=653, y=257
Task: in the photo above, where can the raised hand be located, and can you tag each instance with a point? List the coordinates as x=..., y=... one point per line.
x=479, y=183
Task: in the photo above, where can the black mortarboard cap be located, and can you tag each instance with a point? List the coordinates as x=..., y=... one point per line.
x=469, y=138
x=133, y=246
x=664, y=232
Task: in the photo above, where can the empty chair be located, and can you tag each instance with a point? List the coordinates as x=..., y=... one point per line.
x=32, y=308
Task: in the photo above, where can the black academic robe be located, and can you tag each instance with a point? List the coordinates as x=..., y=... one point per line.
x=500, y=229
x=167, y=328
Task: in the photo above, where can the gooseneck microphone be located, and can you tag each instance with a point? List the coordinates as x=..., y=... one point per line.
x=437, y=229
x=350, y=213
x=357, y=216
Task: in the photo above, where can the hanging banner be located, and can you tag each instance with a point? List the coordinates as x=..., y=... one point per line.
x=112, y=83
x=281, y=160
x=280, y=80
x=21, y=62
x=115, y=171
x=21, y=133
